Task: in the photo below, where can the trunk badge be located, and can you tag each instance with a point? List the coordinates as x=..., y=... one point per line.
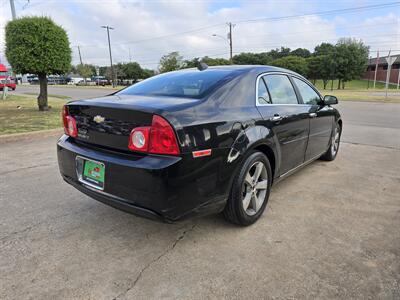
x=99, y=119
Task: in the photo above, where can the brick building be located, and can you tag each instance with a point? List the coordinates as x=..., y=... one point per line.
x=382, y=69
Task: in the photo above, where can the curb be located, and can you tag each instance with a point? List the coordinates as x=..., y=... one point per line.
x=7, y=138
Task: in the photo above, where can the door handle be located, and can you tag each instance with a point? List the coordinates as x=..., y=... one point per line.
x=276, y=118
x=313, y=115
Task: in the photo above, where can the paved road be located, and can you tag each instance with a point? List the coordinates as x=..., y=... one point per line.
x=330, y=231
x=371, y=123
x=70, y=91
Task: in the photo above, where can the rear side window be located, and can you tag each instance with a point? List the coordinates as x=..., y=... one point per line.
x=307, y=93
x=188, y=84
x=281, y=90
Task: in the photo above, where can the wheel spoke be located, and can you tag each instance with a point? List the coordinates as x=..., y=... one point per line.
x=262, y=185
x=248, y=179
x=257, y=173
x=246, y=200
x=254, y=202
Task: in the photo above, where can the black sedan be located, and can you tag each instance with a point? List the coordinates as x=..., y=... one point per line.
x=197, y=141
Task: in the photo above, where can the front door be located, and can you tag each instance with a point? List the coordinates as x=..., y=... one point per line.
x=321, y=120
x=289, y=120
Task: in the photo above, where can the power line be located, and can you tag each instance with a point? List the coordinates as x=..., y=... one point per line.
x=324, y=13
x=321, y=13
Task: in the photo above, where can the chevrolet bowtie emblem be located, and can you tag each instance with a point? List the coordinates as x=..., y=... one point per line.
x=99, y=119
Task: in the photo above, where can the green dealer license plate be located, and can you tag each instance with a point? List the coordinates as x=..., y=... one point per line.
x=93, y=173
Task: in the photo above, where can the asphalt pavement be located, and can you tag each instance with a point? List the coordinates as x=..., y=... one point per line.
x=71, y=91
x=330, y=231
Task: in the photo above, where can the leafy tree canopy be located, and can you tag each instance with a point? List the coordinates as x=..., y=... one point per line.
x=295, y=63
x=85, y=70
x=37, y=45
x=252, y=58
x=171, y=62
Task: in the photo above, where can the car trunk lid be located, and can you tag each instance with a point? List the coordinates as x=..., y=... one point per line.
x=108, y=121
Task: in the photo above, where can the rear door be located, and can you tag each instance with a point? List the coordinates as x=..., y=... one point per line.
x=321, y=119
x=279, y=106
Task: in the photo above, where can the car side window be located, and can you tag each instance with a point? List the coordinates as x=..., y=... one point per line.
x=280, y=89
x=307, y=92
x=263, y=96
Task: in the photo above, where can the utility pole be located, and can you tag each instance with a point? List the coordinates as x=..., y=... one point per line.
x=109, y=48
x=398, y=79
x=14, y=15
x=376, y=68
x=80, y=56
x=80, y=59
x=230, y=38
x=390, y=60
x=369, y=63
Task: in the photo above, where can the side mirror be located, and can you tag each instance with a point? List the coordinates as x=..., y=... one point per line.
x=330, y=100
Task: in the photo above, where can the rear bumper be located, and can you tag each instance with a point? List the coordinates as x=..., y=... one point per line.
x=157, y=187
x=115, y=201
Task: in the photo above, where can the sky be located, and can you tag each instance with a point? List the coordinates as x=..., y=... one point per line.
x=146, y=30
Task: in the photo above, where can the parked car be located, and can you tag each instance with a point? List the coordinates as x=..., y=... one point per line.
x=100, y=80
x=195, y=142
x=6, y=79
x=83, y=82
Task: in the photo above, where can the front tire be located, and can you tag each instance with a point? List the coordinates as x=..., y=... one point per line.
x=250, y=190
x=333, y=149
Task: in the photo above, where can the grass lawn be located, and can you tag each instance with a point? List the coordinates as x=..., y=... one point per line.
x=27, y=117
x=356, y=90
x=355, y=85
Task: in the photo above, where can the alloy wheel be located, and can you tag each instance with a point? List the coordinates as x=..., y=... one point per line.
x=255, y=188
x=335, y=141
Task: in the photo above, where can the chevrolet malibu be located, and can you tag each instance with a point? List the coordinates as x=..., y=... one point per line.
x=197, y=141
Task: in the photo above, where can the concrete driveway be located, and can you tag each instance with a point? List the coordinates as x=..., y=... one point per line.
x=330, y=231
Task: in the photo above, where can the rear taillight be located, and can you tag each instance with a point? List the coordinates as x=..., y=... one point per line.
x=69, y=123
x=159, y=138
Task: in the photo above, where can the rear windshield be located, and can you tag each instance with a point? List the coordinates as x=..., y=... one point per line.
x=188, y=84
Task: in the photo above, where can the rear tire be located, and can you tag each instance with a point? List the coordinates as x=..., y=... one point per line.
x=333, y=149
x=250, y=190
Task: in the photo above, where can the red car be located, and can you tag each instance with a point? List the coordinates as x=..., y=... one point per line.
x=6, y=79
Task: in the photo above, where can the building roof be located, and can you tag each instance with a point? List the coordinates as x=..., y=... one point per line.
x=382, y=60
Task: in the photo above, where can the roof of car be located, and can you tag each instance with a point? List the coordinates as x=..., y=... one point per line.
x=261, y=68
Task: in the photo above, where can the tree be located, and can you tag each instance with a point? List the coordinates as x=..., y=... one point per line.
x=171, y=62
x=85, y=71
x=252, y=59
x=279, y=53
x=327, y=58
x=146, y=73
x=37, y=45
x=119, y=72
x=351, y=58
x=324, y=49
x=295, y=63
x=302, y=52
x=193, y=63
x=133, y=71
x=314, y=64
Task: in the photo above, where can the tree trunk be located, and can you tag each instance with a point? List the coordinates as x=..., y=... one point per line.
x=42, y=98
x=332, y=85
x=338, y=84
x=343, y=85
x=325, y=83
